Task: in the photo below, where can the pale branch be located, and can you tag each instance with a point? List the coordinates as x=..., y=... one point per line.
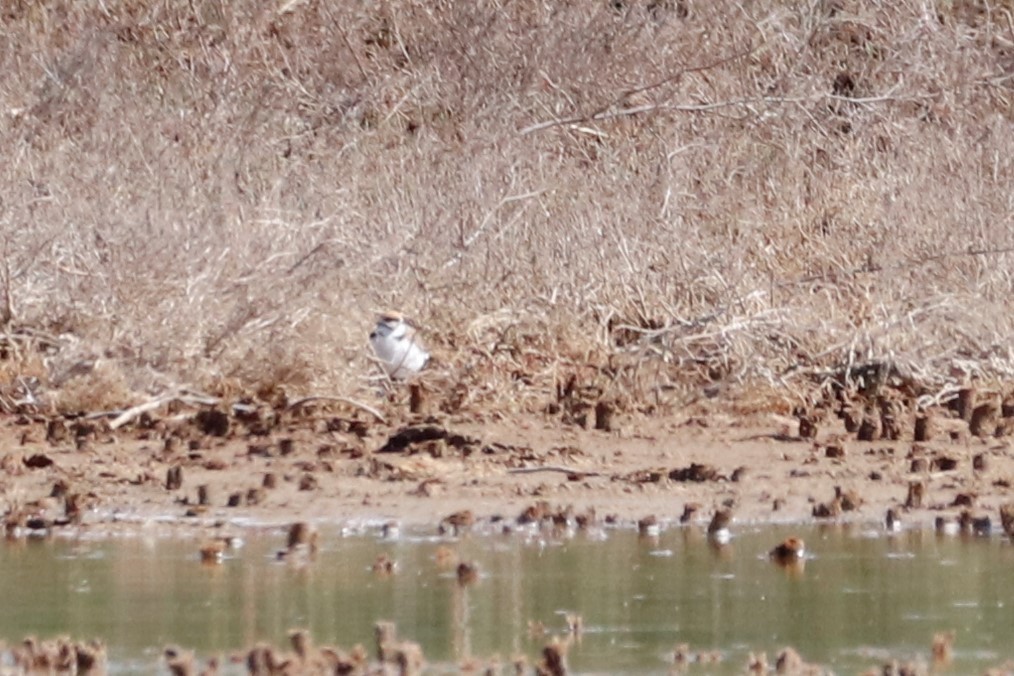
x=554, y=468
x=126, y=416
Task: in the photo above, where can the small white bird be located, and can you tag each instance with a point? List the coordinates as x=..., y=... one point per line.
x=398, y=346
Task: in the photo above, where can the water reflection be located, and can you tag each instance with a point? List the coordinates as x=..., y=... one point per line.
x=635, y=601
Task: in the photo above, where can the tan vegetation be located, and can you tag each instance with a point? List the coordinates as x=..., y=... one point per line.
x=651, y=195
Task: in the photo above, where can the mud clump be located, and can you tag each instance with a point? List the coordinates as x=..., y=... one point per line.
x=943, y=463
x=834, y=451
x=38, y=461
x=410, y=438
x=695, y=472
x=213, y=422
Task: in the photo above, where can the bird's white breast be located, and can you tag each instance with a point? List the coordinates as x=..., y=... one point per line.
x=397, y=346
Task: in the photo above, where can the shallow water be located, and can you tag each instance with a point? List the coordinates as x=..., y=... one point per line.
x=862, y=596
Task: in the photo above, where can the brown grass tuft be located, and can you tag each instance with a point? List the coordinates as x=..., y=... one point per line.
x=102, y=387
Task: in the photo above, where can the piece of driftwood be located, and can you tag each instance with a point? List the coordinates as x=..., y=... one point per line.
x=121, y=418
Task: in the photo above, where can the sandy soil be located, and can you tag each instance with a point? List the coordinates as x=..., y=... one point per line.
x=340, y=468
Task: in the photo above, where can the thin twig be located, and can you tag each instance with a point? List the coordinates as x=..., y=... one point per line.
x=601, y=112
x=468, y=241
x=352, y=50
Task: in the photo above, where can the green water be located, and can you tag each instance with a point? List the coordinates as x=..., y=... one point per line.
x=859, y=599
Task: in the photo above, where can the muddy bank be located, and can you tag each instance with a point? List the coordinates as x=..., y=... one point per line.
x=329, y=465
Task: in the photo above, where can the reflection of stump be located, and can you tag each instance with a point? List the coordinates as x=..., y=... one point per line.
x=757, y=664
x=409, y=658
x=468, y=573
x=789, y=662
x=553, y=659
x=386, y=635
x=90, y=657
x=302, y=534
x=943, y=650
x=301, y=642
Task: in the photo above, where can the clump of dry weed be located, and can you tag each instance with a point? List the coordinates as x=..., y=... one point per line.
x=101, y=387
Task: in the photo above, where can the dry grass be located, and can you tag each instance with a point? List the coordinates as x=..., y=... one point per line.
x=654, y=195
